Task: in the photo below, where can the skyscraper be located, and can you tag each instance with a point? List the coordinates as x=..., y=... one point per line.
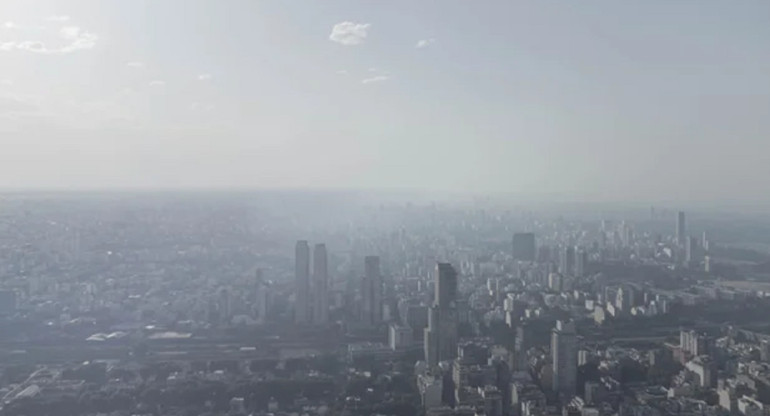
x=524, y=246
x=446, y=286
x=441, y=333
x=564, y=359
x=302, y=280
x=371, y=291
x=680, y=229
x=690, y=248
x=567, y=261
x=581, y=260
x=320, y=284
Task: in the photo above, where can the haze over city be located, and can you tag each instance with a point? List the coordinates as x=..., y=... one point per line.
x=390, y=208
x=604, y=100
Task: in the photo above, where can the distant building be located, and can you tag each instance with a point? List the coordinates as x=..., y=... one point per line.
x=695, y=343
x=371, y=291
x=430, y=388
x=705, y=369
x=764, y=350
x=690, y=246
x=567, y=261
x=400, y=337
x=555, y=282
x=625, y=299
x=441, y=333
x=564, y=354
x=581, y=260
x=493, y=401
x=524, y=246
x=302, y=281
x=681, y=229
x=321, y=285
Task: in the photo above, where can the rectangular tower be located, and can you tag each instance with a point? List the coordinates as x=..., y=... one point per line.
x=681, y=229
x=524, y=246
x=371, y=291
x=564, y=359
x=441, y=333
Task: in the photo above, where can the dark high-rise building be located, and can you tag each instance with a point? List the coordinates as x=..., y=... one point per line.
x=524, y=246
x=681, y=229
x=690, y=248
x=567, y=261
x=302, y=280
x=446, y=286
x=564, y=359
x=371, y=291
x=581, y=260
x=320, y=284
x=441, y=333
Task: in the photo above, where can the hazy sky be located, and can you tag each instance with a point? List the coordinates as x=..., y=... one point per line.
x=607, y=99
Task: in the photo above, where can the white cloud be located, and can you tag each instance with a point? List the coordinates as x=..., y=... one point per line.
x=70, y=32
x=6, y=82
x=424, y=43
x=17, y=27
x=205, y=77
x=349, y=33
x=61, y=18
x=378, y=78
x=157, y=83
x=343, y=72
x=32, y=46
x=76, y=39
x=135, y=64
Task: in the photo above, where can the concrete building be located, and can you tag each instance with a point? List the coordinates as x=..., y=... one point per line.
x=524, y=246
x=564, y=359
x=320, y=285
x=625, y=298
x=441, y=333
x=400, y=337
x=705, y=369
x=690, y=248
x=581, y=260
x=567, y=261
x=430, y=388
x=681, y=229
x=371, y=291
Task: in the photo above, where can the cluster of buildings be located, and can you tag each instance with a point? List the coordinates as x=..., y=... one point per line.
x=431, y=307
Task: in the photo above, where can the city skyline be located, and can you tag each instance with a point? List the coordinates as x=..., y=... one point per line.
x=396, y=208
x=189, y=296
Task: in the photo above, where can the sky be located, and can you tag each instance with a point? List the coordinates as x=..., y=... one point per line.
x=602, y=100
